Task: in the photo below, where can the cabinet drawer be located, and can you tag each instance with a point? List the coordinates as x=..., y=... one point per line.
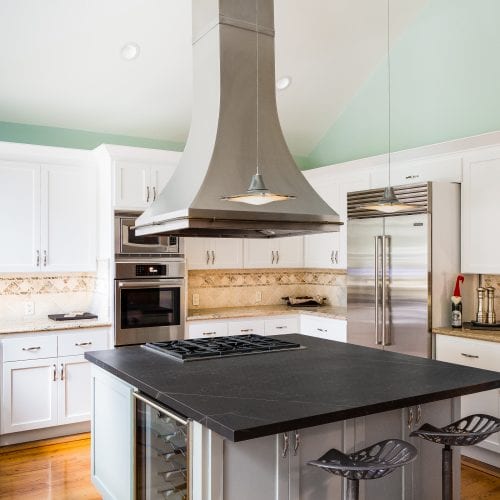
x=208, y=329
x=72, y=344
x=279, y=326
x=469, y=352
x=330, y=329
x=29, y=348
x=246, y=327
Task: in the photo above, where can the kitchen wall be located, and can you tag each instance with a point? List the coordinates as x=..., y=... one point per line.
x=239, y=288
x=52, y=294
x=444, y=86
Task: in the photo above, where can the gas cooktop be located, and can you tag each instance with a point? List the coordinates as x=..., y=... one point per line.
x=219, y=347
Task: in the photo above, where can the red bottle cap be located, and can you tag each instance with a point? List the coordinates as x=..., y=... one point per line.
x=460, y=279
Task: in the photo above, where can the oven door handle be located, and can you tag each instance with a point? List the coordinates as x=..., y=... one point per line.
x=156, y=406
x=150, y=284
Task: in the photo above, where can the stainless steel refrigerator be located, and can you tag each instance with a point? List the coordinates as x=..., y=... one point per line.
x=401, y=267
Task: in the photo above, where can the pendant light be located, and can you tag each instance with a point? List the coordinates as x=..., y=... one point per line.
x=257, y=193
x=389, y=203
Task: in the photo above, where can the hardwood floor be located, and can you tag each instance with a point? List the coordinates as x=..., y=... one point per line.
x=58, y=469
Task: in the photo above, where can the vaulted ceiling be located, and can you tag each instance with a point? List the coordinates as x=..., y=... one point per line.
x=60, y=65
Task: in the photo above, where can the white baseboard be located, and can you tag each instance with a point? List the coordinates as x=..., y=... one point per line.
x=46, y=433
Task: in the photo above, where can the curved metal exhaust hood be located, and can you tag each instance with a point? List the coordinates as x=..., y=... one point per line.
x=220, y=154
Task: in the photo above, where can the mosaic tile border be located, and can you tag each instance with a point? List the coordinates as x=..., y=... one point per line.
x=260, y=277
x=44, y=284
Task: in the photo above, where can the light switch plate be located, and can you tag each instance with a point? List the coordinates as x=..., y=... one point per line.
x=196, y=299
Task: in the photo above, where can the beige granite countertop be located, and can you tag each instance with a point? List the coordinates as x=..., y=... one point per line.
x=488, y=335
x=45, y=325
x=255, y=311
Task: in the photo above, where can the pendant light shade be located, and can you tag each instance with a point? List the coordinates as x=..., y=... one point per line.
x=258, y=194
x=389, y=203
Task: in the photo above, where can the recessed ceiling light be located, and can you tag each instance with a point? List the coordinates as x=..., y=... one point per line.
x=130, y=51
x=283, y=83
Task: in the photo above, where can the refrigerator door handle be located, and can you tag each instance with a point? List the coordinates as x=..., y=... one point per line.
x=386, y=327
x=377, y=289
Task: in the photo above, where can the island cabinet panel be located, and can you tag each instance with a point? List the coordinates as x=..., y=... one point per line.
x=112, y=451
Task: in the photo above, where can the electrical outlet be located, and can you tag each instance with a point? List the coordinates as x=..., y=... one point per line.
x=258, y=296
x=29, y=308
x=196, y=299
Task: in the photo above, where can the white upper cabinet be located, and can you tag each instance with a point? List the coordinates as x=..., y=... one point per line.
x=213, y=253
x=138, y=184
x=20, y=216
x=48, y=214
x=443, y=169
x=274, y=252
x=480, y=212
x=329, y=250
x=68, y=219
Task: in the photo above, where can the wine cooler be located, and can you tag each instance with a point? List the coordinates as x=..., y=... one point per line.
x=162, y=452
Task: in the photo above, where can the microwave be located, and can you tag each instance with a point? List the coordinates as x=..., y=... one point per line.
x=128, y=243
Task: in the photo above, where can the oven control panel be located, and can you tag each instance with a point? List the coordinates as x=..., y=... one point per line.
x=144, y=270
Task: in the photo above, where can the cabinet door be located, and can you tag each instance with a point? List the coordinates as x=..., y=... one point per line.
x=480, y=208
x=322, y=250
x=113, y=436
x=329, y=329
x=226, y=253
x=197, y=252
x=289, y=251
x=248, y=327
x=19, y=216
x=312, y=483
x=133, y=188
x=68, y=214
x=205, y=329
x=160, y=175
x=73, y=399
x=259, y=253
x=29, y=395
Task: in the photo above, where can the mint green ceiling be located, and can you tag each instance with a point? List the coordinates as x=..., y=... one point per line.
x=445, y=85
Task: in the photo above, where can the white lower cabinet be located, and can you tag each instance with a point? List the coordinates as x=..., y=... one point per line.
x=477, y=354
x=325, y=328
x=200, y=329
x=282, y=325
x=29, y=394
x=41, y=385
x=246, y=327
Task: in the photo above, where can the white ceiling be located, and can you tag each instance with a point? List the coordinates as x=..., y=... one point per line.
x=60, y=65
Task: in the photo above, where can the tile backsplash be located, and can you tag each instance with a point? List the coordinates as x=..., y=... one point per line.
x=50, y=294
x=250, y=287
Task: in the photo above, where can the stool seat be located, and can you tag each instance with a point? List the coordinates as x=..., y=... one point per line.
x=373, y=462
x=464, y=432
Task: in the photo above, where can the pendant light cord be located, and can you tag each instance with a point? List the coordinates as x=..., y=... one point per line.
x=257, y=79
x=389, y=88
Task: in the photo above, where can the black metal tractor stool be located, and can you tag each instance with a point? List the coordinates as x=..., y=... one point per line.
x=373, y=462
x=464, y=432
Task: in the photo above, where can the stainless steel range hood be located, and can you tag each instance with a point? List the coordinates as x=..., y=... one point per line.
x=220, y=155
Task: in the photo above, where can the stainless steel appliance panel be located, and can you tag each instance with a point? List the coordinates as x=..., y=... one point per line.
x=364, y=291
x=163, y=452
x=148, y=310
x=406, y=246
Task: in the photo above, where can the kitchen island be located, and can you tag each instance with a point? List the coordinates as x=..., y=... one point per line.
x=257, y=419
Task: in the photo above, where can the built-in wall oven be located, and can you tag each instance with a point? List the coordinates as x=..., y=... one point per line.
x=163, y=452
x=149, y=300
x=128, y=243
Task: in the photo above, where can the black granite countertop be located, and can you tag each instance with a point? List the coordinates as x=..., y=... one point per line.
x=245, y=397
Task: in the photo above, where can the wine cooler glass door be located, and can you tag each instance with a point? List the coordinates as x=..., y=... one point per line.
x=162, y=452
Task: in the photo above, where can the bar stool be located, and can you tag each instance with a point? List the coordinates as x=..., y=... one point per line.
x=464, y=432
x=373, y=462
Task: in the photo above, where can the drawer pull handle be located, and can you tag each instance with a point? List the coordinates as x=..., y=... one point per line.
x=323, y=330
x=281, y=327
x=81, y=344
x=62, y=371
x=54, y=373
x=414, y=176
x=209, y=333
x=36, y=348
x=246, y=330
x=469, y=355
